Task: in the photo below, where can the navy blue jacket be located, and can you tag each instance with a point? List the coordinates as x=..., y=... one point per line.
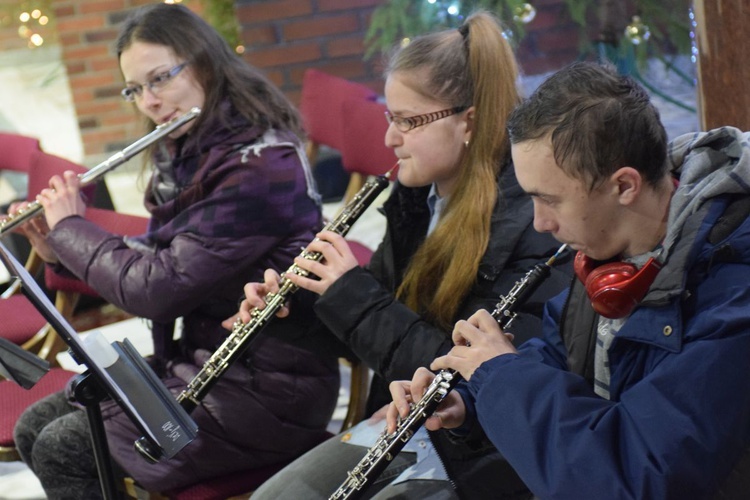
x=679, y=415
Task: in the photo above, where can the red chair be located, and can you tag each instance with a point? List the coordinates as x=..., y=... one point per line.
x=321, y=106
x=18, y=152
x=15, y=399
x=22, y=324
x=363, y=149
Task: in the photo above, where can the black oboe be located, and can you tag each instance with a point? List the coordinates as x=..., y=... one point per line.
x=238, y=341
x=389, y=445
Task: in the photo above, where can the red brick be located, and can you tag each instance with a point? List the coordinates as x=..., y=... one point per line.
x=62, y=10
x=91, y=80
x=276, y=77
x=319, y=26
x=85, y=52
x=87, y=123
x=296, y=74
x=105, y=35
x=279, y=56
x=549, y=18
x=106, y=63
x=558, y=39
x=260, y=36
x=69, y=39
x=98, y=108
x=294, y=96
x=345, y=46
x=80, y=23
x=327, y=5
x=75, y=67
x=103, y=135
x=272, y=9
x=108, y=91
x=115, y=120
x=82, y=94
x=90, y=6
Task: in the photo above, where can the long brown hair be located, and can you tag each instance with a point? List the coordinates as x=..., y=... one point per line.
x=220, y=72
x=471, y=66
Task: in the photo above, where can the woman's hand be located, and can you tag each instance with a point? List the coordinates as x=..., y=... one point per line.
x=62, y=199
x=255, y=294
x=35, y=230
x=450, y=414
x=337, y=260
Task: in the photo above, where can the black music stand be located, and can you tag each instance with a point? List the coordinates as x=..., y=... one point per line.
x=117, y=371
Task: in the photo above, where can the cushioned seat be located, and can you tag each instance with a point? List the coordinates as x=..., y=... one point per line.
x=20, y=319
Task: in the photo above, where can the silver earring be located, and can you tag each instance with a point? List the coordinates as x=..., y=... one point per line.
x=466, y=143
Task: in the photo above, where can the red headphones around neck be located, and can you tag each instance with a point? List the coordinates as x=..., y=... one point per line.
x=615, y=288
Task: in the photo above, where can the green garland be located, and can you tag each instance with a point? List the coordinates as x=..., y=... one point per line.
x=394, y=20
x=221, y=15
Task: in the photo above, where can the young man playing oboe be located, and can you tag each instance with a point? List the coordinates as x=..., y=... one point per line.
x=640, y=386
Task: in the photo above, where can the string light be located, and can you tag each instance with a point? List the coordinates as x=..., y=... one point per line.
x=637, y=32
x=33, y=38
x=693, y=41
x=524, y=13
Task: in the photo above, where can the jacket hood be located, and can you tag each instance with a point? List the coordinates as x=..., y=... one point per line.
x=708, y=165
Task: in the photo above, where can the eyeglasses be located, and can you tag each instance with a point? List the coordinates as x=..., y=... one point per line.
x=157, y=82
x=407, y=123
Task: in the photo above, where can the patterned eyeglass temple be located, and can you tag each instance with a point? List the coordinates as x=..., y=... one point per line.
x=407, y=123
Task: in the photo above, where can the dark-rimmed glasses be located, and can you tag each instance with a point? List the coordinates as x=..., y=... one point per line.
x=156, y=83
x=407, y=123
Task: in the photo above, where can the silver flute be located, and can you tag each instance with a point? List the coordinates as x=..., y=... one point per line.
x=11, y=221
x=363, y=475
x=243, y=333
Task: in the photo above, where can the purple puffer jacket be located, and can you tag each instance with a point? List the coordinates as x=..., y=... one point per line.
x=238, y=202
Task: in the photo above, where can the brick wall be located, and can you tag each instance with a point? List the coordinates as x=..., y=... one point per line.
x=87, y=30
x=285, y=37
x=282, y=37
x=551, y=40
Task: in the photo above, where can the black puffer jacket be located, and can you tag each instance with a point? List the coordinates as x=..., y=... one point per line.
x=361, y=310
